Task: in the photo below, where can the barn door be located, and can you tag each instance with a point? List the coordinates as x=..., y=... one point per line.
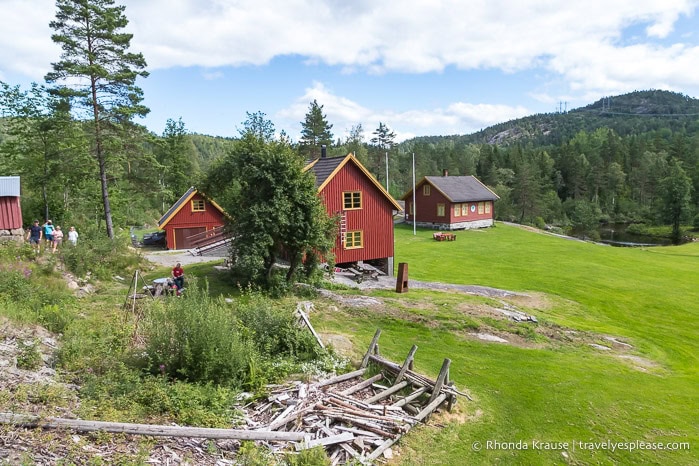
x=182, y=235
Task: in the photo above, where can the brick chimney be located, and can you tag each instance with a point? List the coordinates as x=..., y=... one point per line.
x=323, y=151
x=445, y=172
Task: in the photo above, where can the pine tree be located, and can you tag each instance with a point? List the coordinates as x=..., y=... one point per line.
x=315, y=131
x=98, y=73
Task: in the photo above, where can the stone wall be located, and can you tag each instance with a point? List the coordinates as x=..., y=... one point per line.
x=12, y=235
x=456, y=226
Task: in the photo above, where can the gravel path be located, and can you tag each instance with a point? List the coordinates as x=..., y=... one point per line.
x=170, y=258
x=389, y=283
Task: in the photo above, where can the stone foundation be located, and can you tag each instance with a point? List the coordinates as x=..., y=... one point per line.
x=456, y=226
x=12, y=235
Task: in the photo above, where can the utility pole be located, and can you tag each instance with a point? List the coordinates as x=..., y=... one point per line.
x=387, y=172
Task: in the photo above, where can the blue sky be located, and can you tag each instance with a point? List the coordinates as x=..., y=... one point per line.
x=422, y=67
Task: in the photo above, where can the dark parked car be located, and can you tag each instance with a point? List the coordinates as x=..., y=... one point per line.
x=154, y=239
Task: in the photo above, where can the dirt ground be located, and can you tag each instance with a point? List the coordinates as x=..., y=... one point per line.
x=170, y=258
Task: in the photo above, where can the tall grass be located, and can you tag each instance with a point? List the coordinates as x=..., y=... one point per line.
x=207, y=340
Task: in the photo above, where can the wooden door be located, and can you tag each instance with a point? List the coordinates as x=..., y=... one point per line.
x=182, y=236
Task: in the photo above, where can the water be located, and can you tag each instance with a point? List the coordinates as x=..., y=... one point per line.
x=615, y=234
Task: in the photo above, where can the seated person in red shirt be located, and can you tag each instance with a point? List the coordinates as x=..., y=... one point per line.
x=178, y=276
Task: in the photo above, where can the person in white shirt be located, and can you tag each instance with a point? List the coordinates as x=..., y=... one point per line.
x=73, y=236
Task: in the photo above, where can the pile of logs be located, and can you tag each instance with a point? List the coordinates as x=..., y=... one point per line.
x=354, y=418
x=351, y=417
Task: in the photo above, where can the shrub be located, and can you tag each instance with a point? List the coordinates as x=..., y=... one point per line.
x=100, y=256
x=28, y=355
x=310, y=457
x=196, y=338
x=274, y=330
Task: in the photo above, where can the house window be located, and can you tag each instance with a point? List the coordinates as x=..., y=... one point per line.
x=464, y=209
x=487, y=207
x=412, y=208
x=352, y=200
x=426, y=190
x=354, y=239
x=457, y=210
x=440, y=210
x=480, y=207
x=198, y=205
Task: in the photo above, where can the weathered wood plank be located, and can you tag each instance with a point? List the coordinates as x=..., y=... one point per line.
x=441, y=378
x=78, y=425
x=362, y=385
x=416, y=394
x=406, y=364
x=341, y=378
x=386, y=393
x=306, y=321
x=372, y=347
x=339, y=438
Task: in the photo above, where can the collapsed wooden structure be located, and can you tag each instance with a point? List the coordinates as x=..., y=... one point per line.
x=353, y=418
x=356, y=419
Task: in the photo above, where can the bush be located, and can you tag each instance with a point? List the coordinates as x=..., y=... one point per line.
x=196, y=338
x=100, y=256
x=202, y=339
x=28, y=355
x=274, y=331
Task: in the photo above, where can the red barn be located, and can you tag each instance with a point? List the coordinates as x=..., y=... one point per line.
x=10, y=210
x=192, y=215
x=365, y=209
x=450, y=203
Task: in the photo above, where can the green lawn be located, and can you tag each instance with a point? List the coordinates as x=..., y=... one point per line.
x=557, y=392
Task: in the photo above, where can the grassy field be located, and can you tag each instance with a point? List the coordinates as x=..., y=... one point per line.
x=548, y=391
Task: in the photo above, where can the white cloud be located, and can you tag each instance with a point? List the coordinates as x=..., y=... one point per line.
x=583, y=46
x=343, y=114
x=412, y=36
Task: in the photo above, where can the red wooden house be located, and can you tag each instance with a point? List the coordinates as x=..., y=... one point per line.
x=450, y=203
x=193, y=214
x=365, y=209
x=10, y=210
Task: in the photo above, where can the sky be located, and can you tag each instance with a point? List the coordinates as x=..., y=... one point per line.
x=422, y=67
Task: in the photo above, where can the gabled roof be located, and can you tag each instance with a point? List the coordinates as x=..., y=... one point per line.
x=177, y=206
x=325, y=169
x=9, y=186
x=458, y=188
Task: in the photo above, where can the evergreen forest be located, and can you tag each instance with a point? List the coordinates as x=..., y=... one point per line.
x=633, y=158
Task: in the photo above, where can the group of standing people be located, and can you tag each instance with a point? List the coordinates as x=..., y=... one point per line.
x=52, y=235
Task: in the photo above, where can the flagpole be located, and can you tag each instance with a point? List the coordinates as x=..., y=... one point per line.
x=414, y=206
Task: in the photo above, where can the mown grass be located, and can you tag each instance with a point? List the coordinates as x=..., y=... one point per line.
x=557, y=393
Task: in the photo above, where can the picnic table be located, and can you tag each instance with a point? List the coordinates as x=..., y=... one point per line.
x=360, y=272
x=439, y=236
x=162, y=286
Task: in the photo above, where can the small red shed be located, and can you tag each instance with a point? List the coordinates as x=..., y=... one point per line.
x=450, y=203
x=365, y=209
x=10, y=209
x=193, y=214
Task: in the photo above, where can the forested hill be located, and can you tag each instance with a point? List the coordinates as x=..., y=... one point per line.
x=632, y=113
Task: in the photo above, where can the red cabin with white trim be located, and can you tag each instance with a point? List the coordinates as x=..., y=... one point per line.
x=192, y=215
x=365, y=209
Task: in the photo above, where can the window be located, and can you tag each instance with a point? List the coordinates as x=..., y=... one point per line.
x=464, y=209
x=198, y=205
x=487, y=207
x=354, y=239
x=352, y=200
x=440, y=210
x=412, y=208
x=426, y=190
x=457, y=210
x=480, y=207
